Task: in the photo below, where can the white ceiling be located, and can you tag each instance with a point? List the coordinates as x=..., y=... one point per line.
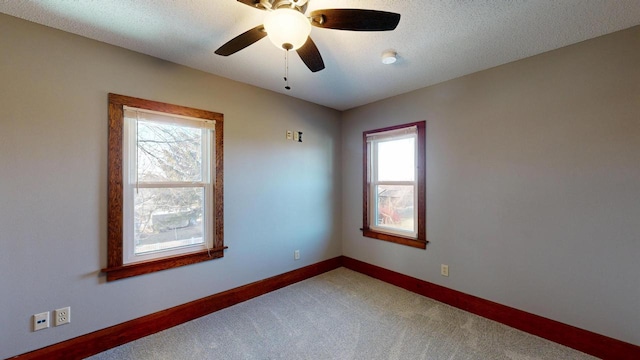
x=436, y=40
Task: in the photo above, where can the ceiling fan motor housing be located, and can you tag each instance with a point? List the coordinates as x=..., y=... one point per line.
x=300, y=5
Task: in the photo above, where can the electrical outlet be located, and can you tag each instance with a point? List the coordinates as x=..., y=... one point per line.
x=296, y=136
x=62, y=316
x=289, y=135
x=444, y=270
x=40, y=321
x=296, y=255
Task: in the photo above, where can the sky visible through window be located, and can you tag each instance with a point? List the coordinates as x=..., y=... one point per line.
x=396, y=160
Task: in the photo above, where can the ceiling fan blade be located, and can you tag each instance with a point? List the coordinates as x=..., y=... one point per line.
x=355, y=19
x=252, y=3
x=311, y=56
x=242, y=41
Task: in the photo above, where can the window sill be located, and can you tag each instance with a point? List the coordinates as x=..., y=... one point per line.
x=145, y=267
x=416, y=243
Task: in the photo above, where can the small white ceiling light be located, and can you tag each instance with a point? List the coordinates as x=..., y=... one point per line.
x=389, y=57
x=287, y=28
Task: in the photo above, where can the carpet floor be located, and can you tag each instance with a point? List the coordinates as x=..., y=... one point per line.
x=342, y=314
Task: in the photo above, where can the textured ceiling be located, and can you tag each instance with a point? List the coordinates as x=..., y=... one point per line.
x=436, y=40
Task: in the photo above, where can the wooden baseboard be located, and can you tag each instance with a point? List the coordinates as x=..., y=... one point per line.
x=90, y=344
x=582, y=340
x=105, y=339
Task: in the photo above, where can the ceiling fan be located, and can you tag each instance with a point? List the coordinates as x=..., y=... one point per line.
x=288, y=27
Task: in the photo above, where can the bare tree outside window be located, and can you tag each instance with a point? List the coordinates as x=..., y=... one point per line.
x=396, y=207
x=168, y=217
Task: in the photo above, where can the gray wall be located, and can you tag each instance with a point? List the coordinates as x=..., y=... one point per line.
x=533, y=184
x=279, y=195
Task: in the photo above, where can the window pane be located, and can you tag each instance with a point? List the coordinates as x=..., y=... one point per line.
x=395, y=207
x=168, y=218
x=396, y=160
x=168, y=152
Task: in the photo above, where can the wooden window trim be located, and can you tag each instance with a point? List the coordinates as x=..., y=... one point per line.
x=421, y=239
x=115, y=268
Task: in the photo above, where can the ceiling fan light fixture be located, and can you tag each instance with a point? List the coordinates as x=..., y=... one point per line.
x=389, y=57
x=287, y=28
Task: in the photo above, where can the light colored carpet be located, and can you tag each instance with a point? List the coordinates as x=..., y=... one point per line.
x=342, y=314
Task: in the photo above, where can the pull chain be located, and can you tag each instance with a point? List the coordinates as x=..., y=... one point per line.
x=286, y=69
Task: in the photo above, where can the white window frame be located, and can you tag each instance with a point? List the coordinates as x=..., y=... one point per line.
x=373, y=140
x=131, y=183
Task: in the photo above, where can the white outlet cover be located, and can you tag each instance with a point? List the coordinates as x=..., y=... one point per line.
x=444, y=270
x=62, y=316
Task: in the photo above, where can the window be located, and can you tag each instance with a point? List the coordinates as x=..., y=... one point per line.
x=395, y=184
x=165, y=206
